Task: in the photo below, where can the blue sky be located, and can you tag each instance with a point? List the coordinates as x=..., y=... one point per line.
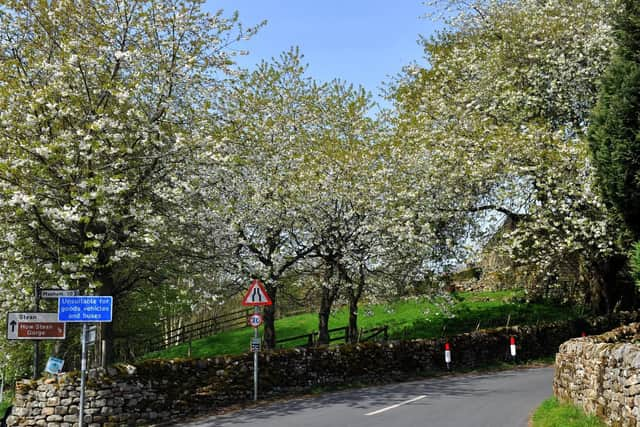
x=364, y=42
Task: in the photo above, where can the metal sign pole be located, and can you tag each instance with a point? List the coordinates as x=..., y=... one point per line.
x=36, y=343
x=255, y=362
x=2, y=384
x=256, y=296
x=83, y=368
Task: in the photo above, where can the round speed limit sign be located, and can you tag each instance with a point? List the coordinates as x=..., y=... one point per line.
x=255, y=320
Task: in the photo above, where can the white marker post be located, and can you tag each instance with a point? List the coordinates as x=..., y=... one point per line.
x=256, y=296
x=447, y=355
x=512, y=347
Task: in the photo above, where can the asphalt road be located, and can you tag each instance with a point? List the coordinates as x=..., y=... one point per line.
x=500, y=399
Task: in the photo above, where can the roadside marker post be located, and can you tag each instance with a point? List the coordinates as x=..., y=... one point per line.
x=256, y=296
x=447, y=355
x=512, y=347
x=83, y=309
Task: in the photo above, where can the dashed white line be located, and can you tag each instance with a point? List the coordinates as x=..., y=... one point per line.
x=388, y=408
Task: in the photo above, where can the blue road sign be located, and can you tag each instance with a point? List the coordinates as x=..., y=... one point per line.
x=85, y=309
x=54, y=365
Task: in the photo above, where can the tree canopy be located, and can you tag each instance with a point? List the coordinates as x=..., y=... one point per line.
x=135, y=158
x=615, y=128
x=499, y=121
x=100, y=105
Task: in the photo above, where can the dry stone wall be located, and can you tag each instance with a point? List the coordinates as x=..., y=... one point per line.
x=602, y=375
x=157, y=391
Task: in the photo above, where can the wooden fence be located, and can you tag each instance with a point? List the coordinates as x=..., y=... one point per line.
x=336, y=334
x=129, y=349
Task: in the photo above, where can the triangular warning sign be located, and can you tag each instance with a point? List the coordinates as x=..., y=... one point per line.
x=256, y=295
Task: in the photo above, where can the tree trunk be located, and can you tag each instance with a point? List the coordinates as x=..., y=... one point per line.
x=329, y=294
x=269, y=317
x=354, y=295
x=106, y=330
x=613, y=288
x=352, y=329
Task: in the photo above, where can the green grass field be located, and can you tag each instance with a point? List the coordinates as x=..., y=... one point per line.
x=6, y=402
x=554, y=414
x=407, y=319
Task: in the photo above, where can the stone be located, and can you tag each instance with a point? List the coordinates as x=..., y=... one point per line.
x=53, y=401
x=99, y=403
x=20, y=412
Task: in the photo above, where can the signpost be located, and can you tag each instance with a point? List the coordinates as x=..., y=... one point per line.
x=54, y=365
x=55, y=293
x=83, y=309
x=256, y=296
x=4, y=365
x=35, y=326
x=255, y=320
x=91, y=335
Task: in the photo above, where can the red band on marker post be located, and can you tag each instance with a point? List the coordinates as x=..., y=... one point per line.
x=584, y=334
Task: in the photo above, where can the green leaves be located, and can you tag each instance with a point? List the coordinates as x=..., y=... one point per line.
x=615, y=129
x=496, y=127
x=101, y=105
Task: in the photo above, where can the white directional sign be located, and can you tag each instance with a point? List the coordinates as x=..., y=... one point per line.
x=55, y=293
x=91, y=335
x=256, y=295
x=35, y=326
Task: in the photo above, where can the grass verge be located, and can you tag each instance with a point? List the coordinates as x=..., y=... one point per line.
x=552, y=413
x=407, y=319
x=4, y=404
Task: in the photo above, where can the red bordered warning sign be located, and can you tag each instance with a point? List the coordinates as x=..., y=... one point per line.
x=256, y=295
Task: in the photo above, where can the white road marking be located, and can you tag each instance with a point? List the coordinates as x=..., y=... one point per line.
x=388, y=408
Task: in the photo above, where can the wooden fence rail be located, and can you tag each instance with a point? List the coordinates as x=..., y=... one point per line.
x=311, y=339
x=130, y=348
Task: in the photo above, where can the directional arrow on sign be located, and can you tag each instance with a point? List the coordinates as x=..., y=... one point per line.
x=35, y=326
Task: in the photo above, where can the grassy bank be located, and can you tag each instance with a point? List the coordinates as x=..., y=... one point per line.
x=554, y=414
x=407, y=319
x=6, y=402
